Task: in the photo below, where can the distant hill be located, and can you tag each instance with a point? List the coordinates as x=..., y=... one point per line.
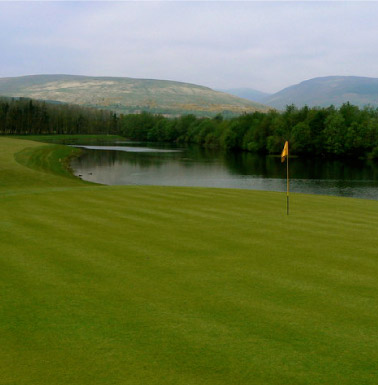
x=248, y=93
x=324, y=91
x=128, y=95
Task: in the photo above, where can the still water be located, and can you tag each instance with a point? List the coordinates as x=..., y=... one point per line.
x=131, y=163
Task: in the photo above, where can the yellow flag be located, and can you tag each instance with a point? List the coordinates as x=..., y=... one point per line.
x=285, y=151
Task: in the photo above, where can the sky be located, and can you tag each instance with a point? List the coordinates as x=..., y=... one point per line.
x=221, y=44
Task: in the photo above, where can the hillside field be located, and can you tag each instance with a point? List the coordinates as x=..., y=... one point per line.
x=128, y=95
x=150, y=285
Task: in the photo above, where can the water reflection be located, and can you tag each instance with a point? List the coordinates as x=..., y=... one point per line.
x=125, y=148
x=143, y=164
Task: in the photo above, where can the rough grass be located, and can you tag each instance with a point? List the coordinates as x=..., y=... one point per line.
x=53, y=138
x=158, y=285
x=50, y=159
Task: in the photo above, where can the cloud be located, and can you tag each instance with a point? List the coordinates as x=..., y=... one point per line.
x=221, y=44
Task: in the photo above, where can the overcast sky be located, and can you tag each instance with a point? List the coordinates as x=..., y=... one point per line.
x=262, y=45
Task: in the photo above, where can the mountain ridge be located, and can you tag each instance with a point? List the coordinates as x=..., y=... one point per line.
x=327, y=90
x=247, y=93
x=127, y=95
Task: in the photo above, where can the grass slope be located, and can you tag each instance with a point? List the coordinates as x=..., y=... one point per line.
x=162, y=285
x=128, y=95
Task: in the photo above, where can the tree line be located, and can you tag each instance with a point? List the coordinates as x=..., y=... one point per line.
x=327, y=132
x=23, y=116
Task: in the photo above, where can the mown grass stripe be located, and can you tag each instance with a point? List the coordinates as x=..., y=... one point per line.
x=166, y=285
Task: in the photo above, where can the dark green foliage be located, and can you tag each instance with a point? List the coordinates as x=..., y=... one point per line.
x=328, y=132
x=26, y=116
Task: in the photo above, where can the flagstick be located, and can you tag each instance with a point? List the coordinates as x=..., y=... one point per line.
x=287, y=181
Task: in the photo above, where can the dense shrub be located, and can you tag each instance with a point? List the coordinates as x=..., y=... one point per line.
x=329, y=132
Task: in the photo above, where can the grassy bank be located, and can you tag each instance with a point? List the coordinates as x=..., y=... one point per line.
x=164, y=285
x=70, y=138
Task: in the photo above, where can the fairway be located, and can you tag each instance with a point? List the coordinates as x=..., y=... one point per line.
x=166, y=285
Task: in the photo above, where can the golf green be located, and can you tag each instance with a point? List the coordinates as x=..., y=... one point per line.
x=165, y=285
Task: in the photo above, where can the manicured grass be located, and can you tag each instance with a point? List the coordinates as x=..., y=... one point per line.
x=164, y=285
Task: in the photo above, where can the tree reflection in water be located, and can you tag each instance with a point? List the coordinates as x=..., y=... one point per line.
x=195, y=166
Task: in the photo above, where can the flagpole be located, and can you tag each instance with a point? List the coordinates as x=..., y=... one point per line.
x=285, y=155
x=287, y=180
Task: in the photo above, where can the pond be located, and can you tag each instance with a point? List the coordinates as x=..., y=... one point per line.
x=132, y=163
